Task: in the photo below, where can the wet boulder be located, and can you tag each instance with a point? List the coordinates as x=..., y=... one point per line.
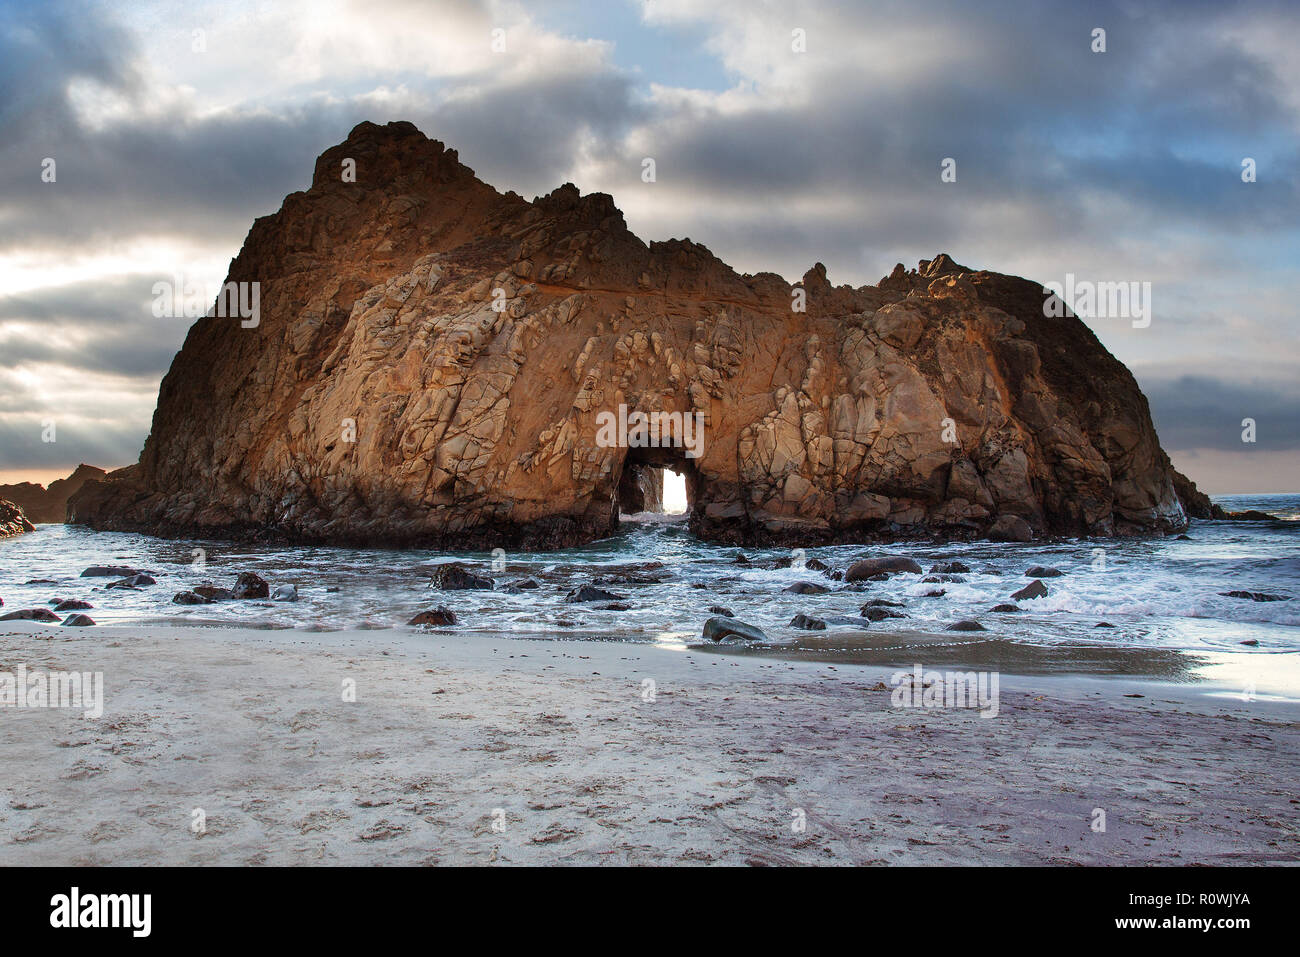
x=73, y=604
x=110, y=571
x=591, y=593
x=869, y=568
x=188, y=598
x=455, y=576
x=285, y=593
x=806, y=588
x=439, y=617
x=719, y=628
x=807, y=623
x=1043, y=571
x=78, y=621
x=966, y=625
x=1035, y=589
x=251, y=585
x=31, y=614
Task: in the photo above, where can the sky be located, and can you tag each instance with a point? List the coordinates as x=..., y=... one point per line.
x=783, y=134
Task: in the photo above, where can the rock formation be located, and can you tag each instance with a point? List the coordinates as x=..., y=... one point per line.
x=432, y=361
x=13, y=521
x=50, y=504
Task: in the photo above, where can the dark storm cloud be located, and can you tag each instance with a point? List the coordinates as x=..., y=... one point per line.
x=1201, y=412
x=100, y=326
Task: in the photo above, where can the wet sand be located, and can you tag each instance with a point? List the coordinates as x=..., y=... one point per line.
x=463, y=749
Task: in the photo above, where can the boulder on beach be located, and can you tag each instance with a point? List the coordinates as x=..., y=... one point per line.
x=188, y=598
x=966, y=625
x=455, y=576
x=816, y=565
x=721, y=610
x=1035, y=589
x=883, y=603
x=523, y=583
x=73, y=604
x=1005, y=608
x=870, y=567
x=250, y=585
x=719, y=628
x=78, y=621
x=807, y=623
x=31, y=614
x=439, y=617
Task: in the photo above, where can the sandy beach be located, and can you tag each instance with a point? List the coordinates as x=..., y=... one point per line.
x=471, y=750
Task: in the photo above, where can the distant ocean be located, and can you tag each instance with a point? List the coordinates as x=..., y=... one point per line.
x=1161, y=595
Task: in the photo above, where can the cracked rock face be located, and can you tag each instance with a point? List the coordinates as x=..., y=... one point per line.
x=432, y=362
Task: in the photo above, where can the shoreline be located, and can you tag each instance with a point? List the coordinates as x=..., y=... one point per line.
x=557, y=738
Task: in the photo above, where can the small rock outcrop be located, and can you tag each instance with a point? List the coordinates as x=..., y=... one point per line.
x=434, y=363
x=13, y=521
x=50, y=505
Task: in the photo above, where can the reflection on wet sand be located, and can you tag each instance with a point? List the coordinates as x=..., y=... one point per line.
x=903, y=649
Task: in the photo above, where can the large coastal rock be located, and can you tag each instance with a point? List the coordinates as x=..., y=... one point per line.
x=50, y=504
x=12, y=520
x=433, y=360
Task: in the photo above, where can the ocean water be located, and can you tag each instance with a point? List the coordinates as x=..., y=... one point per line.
x=1163, y=596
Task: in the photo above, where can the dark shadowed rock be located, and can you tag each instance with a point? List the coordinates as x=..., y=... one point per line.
x=868, y=568
x=720, y=610
x=1043, y=571
x=876, y=613
x=439, y=617
x=189, y=598
x=805, y=588
x=78, y=621
x=719, y=628
x=454, y=576
x=31, y=614
x=949, y=568
x=250, y=585
x=966, y=625
x=110, y=571
x=1254, y=596
x=807, y=623
x=591, y=593
x=816, y=565
x=883, y=603
x=1005, y=609
x=73, y=604
x=1103, y=624
x=213, y=593
x=1035, y=589
x=135, y=581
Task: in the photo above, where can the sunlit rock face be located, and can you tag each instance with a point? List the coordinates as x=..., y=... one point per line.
x=433, y=362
